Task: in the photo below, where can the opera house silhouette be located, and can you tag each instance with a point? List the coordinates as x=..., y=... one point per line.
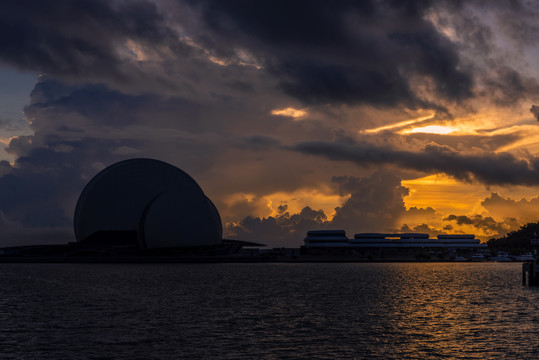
x=137, y=210
x=148, y=202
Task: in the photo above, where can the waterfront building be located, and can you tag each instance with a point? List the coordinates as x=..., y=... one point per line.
x=381, y=246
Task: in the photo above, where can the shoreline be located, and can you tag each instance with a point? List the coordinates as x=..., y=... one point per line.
x=216, y=260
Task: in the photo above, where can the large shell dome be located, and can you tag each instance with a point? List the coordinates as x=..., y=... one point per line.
x=158, y=201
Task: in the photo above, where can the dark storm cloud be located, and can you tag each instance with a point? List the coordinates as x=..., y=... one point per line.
x=77, y=39
x=15, y=234
x=319, y=52
x=488, y=168
x=258, y=142
x=280, y=230
x=494, y=38
x=374, y=202
x=486, y=223
x=415, y=211
x=79, y=129
x=95, y=102
x=506, y=86
x=535, y=111
x=367, y=52
x=423, y=228
x=339, y=52
x=461, y=219
x=53, y=165
x=508, y=83
x=40, y=191
x=525, y=210
x=32, y=198
x=62, y=106
x=518, y=19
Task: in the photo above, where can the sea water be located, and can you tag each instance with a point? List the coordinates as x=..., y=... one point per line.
x=267, y=311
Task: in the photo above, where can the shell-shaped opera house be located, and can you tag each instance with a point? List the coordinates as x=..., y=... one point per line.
x=146, y=202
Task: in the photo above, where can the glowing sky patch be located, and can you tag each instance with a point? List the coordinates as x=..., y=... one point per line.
x=445, y=194
x=431, y=129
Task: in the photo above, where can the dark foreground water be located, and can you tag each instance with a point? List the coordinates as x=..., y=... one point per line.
x=267, y=311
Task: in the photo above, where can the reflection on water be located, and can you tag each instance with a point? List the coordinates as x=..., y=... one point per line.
x=270, y=311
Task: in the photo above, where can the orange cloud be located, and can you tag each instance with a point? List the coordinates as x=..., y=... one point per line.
x=290, y=112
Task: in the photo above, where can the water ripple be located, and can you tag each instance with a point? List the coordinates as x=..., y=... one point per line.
x=268, y=311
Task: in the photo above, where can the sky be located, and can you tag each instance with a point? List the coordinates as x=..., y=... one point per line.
x=371, y=116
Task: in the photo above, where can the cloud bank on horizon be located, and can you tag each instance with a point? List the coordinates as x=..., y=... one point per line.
x=367, y=116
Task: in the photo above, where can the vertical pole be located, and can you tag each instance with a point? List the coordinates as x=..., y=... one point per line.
x=524, y=268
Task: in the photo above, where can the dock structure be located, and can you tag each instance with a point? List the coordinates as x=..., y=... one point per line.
x=530, y=269
x=530, y=273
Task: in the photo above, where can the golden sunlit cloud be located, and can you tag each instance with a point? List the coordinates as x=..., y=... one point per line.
x=268, y=205
x=400, y=124
x=217, y=61
x=443, y=27
x=431, y=129
x=242, y=57
x=222, y=62
x=233, y=198
x=289, y=112
x=6, y=141
x=530, y=141
x=495, y=121
x=246, y=59
x=137, y=51
x=298, y=199
x=487, y=122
